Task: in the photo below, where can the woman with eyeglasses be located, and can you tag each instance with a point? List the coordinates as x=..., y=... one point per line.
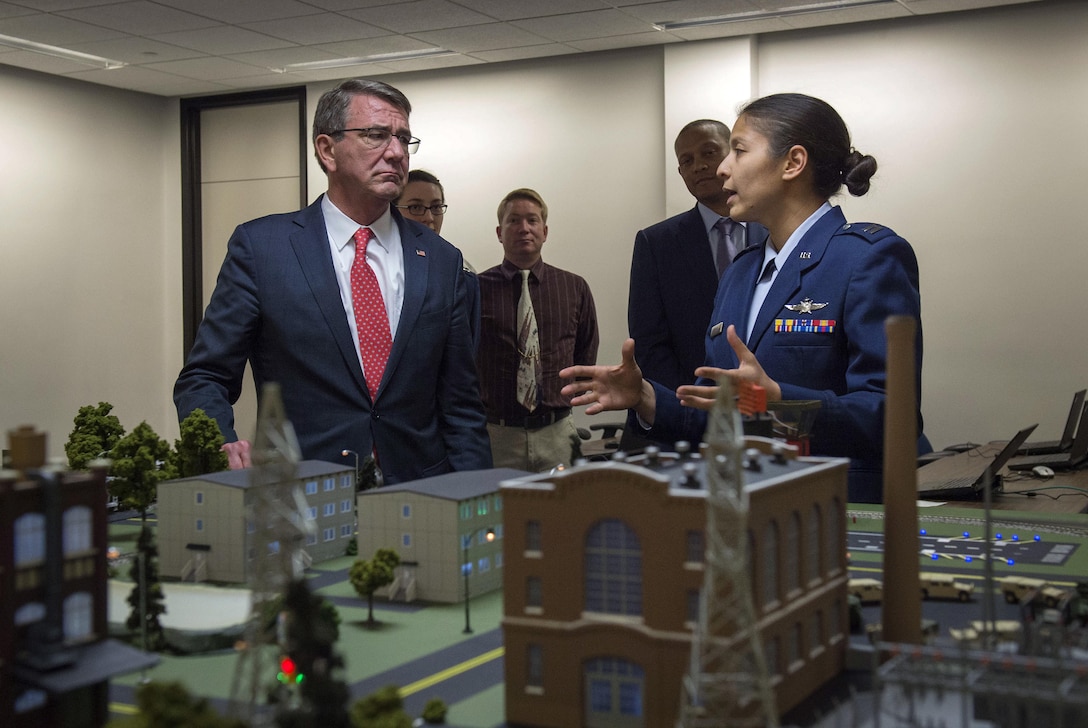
x=423, y=200
x=801, y=315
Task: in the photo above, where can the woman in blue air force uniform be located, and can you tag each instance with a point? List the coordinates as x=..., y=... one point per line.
x=802, y=315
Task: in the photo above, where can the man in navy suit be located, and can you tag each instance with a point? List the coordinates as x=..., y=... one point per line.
x=677, y=263
x=287, y=300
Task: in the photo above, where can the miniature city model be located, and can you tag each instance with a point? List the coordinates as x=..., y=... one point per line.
x=604, y=564
x=55, y=658
x=205, y=523
x=439, y=527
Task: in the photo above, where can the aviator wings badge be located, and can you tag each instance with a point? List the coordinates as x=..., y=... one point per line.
x=807, y=305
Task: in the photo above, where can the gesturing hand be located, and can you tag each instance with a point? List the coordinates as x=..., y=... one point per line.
x=609, y=387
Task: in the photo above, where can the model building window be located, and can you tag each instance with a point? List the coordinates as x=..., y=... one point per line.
x=816, y=638
x=481, y=507
x=615, y=689
x=345, y=530
x=696, y=547
x=330, y=509
x=29, y=614
x=200, y=524
x=534, y=592
x=613, y=561
x=534, y=666
x=311, y=539
x=406, y=540
x=78, y=616
x=498, y=560
x=406, y=511
x=311, y=487
x=311, y=513
x=345, y=506
x=29, y=538
x=813, y=556
x=835, y=549
x=329, y=534
x=466, y=511
x=770, y=563
x=330, y=484
x=345, y=481
x=485, y=564
x=77, y=530
x=693, y=606
x=793, y=553
x=532, y=536
x=199, y=497
x=498, y=503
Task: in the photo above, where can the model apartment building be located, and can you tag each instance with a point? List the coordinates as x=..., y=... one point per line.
x=206, y=528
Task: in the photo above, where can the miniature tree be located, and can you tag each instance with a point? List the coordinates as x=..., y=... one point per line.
x=139, y=465
x=147, y=609
x=369, y=576
x=95, y=433
x=327, y=613
x=434, y=712
x=198, y=451
x=308, y=642
x=383, y=708
x=170, y=705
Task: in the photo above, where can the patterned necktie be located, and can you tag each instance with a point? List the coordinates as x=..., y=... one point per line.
x=528, y=347
x=730, y=241
x=371, y=319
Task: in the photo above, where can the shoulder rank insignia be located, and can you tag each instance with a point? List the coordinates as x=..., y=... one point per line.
x=807, y=305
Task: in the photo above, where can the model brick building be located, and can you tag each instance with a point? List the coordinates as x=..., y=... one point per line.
x=439, y=527
x=55, y=658
x=603, y=569
x=205, y=527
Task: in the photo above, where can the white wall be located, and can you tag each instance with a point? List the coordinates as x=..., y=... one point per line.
x=90, y=282
x=976, y=119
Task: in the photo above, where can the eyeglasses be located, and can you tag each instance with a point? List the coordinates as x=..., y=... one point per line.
x=436, y=210
x=376, y=138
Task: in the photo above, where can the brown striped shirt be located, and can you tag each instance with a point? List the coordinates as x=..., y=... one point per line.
x=566, y=318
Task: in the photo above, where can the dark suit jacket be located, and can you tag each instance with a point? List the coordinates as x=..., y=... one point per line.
x=673, y=282
x=277, y=304
x=864, y=274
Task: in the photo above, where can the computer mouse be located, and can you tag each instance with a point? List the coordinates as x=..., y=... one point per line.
x=1042, y=471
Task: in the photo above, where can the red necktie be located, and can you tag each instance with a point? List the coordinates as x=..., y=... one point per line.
x=371, y=319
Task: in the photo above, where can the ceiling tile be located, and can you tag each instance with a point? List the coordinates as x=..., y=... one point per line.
x=481, y=37
x=280, y=57
x=223, y=39
x=323, y=28
x=544, y=50
x=674, y=10
x=208, y=69
x=7, y=10
x=139, y=17
x=52, y=6
x=41, y=62
x=244, y=11
x=338, y=5
x=419, y=15
x=624, y=41
x=135, y=50
x=54, y=30
x=517, y=9
x=377, y=46
x=139, y=78
x=579, y=26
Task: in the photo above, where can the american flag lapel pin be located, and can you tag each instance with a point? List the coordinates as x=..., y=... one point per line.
x=421, y=253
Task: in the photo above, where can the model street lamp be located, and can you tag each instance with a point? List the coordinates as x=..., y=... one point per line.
x=466, y=568
x=345, y=453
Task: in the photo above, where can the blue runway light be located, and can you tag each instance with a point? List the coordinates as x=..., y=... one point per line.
x=1038, y=537
x=1016, y=537
x=967, y=534
x=923, y=532
x=997, y=537
x=968, y=559
x=1010, y=562
x=934, y=557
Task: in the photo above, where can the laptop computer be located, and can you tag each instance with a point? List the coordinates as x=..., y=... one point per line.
x=963, y=476
x=1045, y=447
x=1075, y=458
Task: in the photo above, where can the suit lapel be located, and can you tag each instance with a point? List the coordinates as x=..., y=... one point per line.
x=787, y=286
x=693, y=247
x=311, y=245
x=416, y=274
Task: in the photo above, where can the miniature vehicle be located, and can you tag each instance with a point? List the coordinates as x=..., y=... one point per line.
x=944, y=586
x=869, y=591
x=930, y=629
x=1015, y=588
x=1005, y=630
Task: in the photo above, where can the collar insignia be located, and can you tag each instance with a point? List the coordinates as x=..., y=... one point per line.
x=807, y=305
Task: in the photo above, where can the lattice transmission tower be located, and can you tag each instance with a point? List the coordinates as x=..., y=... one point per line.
x=278, y=513
x=727, y=683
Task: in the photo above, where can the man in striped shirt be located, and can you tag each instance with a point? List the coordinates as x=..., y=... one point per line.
x=523, y=347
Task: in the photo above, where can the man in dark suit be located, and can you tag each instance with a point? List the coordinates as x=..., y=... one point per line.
x=676, y=263
x=373, y=352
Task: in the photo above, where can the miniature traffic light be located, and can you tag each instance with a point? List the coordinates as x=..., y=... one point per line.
x=289, y=672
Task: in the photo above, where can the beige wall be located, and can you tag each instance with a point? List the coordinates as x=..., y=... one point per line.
x=90, y=254
x=976, y=119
